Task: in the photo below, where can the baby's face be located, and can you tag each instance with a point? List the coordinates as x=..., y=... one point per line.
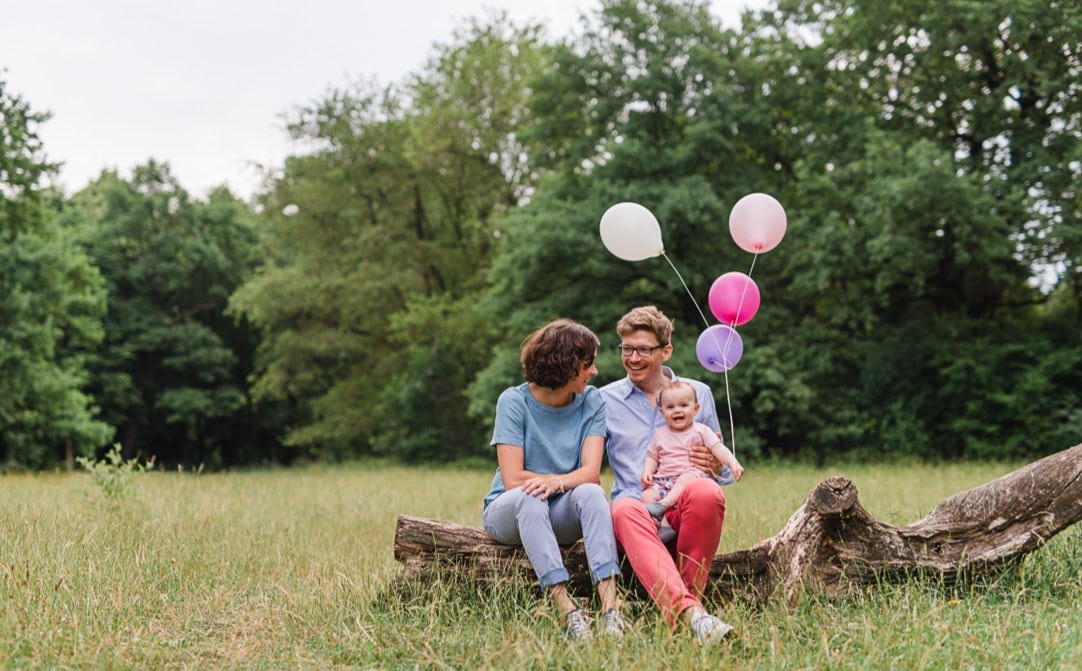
x=679, y=408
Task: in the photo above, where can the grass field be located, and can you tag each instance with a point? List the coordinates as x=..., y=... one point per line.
x=293, y=569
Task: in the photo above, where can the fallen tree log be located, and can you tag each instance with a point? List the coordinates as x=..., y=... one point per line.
x=829, y=545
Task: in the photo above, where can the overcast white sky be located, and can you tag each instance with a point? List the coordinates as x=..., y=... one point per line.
x=203, y=84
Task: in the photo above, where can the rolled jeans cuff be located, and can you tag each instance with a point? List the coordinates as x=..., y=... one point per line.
x=554, y=577
x=606, y=570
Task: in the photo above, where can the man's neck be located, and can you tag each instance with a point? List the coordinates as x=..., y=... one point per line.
x=653, y=386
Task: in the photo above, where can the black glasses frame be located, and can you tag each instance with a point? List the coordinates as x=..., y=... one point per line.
x=626, y=350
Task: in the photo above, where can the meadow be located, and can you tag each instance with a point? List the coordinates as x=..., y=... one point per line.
x=293, y=568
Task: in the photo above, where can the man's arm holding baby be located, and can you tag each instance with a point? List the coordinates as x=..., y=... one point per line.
x=711, y=459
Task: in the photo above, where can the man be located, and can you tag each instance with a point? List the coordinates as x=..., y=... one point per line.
x=675, y=579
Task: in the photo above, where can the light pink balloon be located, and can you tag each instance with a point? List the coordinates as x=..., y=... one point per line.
x=734, y=298
x=757, y=223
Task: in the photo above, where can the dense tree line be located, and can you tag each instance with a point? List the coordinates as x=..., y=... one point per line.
x=924, y=303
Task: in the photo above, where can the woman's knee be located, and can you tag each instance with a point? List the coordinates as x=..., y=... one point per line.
x=590, y=494
x=529, y=505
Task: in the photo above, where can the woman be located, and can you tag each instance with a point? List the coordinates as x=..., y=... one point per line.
x=549, y=436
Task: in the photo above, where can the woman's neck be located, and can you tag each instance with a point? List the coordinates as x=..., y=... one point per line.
x=556, y=398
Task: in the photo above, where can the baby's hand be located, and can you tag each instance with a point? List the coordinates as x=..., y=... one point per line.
x=646, y=480
x=737, y=470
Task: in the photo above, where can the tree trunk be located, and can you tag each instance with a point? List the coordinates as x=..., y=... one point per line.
x=830, y=544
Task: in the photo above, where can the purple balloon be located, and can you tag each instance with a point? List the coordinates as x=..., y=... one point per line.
x=719, y=348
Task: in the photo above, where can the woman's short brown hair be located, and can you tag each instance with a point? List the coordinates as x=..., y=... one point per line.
x=646, y=318
x=555, y=353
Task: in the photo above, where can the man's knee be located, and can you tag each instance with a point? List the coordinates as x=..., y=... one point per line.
x=704, y=493
x=624, y=509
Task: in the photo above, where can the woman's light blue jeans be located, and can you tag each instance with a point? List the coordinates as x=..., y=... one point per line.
x=540, y=527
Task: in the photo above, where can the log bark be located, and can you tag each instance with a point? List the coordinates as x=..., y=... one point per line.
x=829, y=545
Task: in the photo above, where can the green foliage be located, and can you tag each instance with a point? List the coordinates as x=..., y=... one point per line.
x=171, y=372
x=920, y=229
x=919, y=302
x=51, y=303
x=377, y=241
x=924, y=302
x=640, y=107
x=113, y=475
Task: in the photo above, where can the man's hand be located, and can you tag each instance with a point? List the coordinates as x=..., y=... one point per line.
x=704, y=460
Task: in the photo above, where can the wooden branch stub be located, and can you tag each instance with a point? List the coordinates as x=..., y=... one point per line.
x=832, y=496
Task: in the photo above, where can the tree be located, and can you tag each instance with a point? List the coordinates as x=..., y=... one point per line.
x=654, y=103
x=924, y=155
x=377, y=240
x=51, y=302
x=171, y=372
x=924, y=229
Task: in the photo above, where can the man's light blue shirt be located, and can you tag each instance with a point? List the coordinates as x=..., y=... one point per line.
x=631, y=422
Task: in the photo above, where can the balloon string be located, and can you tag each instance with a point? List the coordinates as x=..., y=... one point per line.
x=728, y=401
x=690, y=295
x=732, y=332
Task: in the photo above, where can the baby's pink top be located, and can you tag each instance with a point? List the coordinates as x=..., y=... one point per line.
x=671, y=448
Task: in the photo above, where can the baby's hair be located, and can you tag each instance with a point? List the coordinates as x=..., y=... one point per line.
x=679, y=384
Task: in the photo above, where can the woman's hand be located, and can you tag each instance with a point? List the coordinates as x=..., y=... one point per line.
x=543, y=486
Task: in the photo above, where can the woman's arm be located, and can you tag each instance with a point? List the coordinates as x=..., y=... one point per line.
x=544, y=485
x=511, y=459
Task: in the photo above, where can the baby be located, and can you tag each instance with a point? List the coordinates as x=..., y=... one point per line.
x=668, y=469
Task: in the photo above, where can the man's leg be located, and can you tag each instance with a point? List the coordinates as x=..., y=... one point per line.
x=636, y=532
x=697, y=518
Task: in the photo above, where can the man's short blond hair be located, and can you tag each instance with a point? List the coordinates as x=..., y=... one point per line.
x=646, y=318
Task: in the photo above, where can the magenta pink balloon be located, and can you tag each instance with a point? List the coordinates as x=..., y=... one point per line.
x=757, y=223
x=734, y=298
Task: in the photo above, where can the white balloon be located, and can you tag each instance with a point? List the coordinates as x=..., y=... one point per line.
x=631, y=232
x=757, y=223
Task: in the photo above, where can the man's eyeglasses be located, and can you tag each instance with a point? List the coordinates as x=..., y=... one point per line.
x=627, y=350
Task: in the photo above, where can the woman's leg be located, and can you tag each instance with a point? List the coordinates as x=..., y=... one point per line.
x=584, y=513
x=517, y=518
